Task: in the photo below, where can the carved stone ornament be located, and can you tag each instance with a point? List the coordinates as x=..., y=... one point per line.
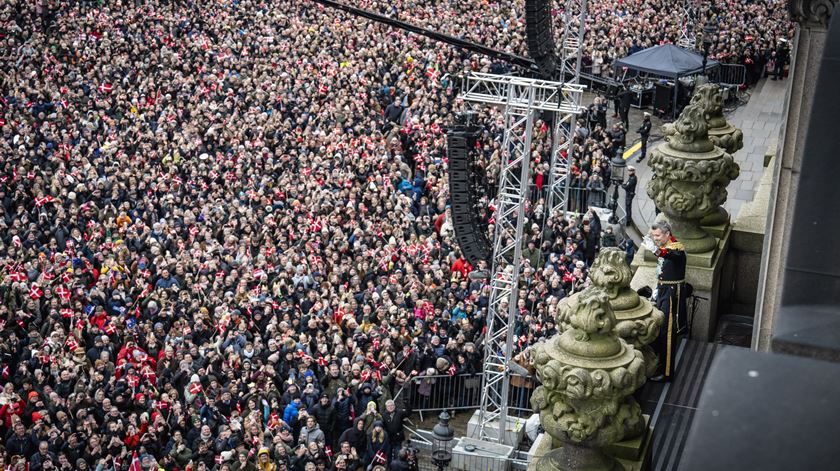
x=637, y=320
x=690, y=179
x=810, y=13
x=722, y=134
x=588, y=376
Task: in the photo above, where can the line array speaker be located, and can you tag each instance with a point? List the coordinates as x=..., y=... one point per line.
x=539, y=31
x=471, y=239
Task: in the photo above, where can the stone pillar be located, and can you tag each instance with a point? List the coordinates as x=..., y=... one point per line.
x=727, y=137
x=807, y=51
x=588, y=375
x=689, y=183
x=637, y=320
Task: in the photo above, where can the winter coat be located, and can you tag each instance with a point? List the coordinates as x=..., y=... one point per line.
x=357, y=438
x=312, y=434
x=324, y=415
x=290, y=413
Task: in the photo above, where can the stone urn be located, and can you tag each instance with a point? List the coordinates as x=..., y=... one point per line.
x=722, y=134
x=690, y=175
x=637, y=320
x=588, y=375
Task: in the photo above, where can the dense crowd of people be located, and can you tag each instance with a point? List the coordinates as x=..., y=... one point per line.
x=225, y=235
x=754, y=33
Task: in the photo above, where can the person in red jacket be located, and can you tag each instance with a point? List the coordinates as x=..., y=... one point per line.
x=133, y=434
x=460, y=265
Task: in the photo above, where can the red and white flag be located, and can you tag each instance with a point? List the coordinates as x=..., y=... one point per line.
x=35, y=292
x=315, y=225
x=105, y=87
x=135, y=463
x=63, y=292
x=133, y=381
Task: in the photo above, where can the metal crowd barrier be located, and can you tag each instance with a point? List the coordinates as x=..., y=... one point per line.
x=434, y=393
x=581, y=198
x=729, y=75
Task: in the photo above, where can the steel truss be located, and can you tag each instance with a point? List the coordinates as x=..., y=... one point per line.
x=688, y=38
x=521, y=98
x=562, y=146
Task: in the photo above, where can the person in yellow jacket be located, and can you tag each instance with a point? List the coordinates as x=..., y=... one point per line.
x=264, y=462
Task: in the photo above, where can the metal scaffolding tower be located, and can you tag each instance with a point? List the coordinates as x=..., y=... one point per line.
x=562, y=146
x=688, y=37
x=521, y=98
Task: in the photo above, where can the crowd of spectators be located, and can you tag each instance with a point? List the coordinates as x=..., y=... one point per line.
x=754, y=33
x=225, y=240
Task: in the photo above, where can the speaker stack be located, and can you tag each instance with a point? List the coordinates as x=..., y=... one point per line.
x=539, y=31
x=471, y=239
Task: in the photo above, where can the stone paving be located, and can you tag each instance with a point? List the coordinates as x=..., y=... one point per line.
x=760, y=120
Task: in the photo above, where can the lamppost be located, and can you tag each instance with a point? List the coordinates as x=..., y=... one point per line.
x=710, y=31
x=442, y=435
x=617, y=166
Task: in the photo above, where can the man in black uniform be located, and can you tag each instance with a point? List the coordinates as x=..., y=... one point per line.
x=629, y=193
x=669, y=294
x=626, y=97
x=644, y=133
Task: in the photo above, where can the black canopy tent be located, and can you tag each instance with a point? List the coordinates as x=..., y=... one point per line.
x=665, y=61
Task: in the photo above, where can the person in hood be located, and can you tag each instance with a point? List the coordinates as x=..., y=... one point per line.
x=371, y=416
x=264, y=462
x=356, y=437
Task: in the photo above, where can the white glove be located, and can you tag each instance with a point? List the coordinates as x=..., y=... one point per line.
x=648, y=243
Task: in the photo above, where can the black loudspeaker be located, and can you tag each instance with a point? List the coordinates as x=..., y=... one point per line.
x=471, y=239
x=663, y=99
x=539, y=31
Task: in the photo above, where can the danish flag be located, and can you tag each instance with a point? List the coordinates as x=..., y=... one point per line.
x=66, y=313
x=452, y=370
x=135, y=463
x=63, y=293
x=17, y=276
x=160, y=405
x=106, y=87
x=35, y=292
x=380, y=457
x=133, y=381
x=315, y=225
x=195, y=388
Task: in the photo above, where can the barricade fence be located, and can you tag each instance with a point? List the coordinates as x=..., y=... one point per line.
x=581, y=198
x=434, y=393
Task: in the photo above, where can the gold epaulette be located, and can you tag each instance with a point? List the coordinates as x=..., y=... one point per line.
x=676, y=245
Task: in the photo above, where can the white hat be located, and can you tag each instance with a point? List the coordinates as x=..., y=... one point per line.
x=631, y=168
